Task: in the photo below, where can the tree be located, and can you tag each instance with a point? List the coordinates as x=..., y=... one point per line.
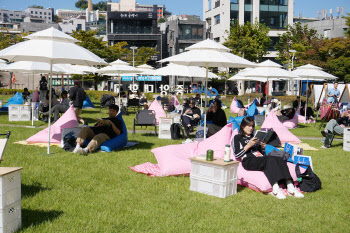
x=81, y=4
x=161, y=20
x=142, y=55
x=249, y=41
x=302, y=39
x=348, y=24
x=102, y=6
x=36, y=6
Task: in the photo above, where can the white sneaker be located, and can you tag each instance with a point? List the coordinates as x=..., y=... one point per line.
x=279, y=194
x=76, y=150
x=82, y=151
x=296, y=194
x=188, y=141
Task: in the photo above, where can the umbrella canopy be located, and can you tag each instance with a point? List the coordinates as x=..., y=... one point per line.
x=33, y=67
x=54, y=47
x=117, y=69
x=119, y=62
x=208, y=53
x=181, y=70
x=145, y=66
x=3, y=64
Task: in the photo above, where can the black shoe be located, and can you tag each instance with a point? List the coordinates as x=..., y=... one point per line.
x=191, y=129
x=324, y=133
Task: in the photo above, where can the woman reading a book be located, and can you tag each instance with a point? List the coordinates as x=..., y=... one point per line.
x=251, y=152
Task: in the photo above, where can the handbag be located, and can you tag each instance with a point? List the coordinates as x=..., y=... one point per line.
x=308, y=181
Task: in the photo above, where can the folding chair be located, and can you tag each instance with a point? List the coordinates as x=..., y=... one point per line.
x=3, y=142
x=134, y=103
x=145, y=118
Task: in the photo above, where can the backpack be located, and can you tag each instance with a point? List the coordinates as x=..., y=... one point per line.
x=272, y=138
x=124, y=111
x=176, y=131
x=107, y=100
x=308, y=181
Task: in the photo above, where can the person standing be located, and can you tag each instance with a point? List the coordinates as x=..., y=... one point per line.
x=43, y=88
x=333, y=94
x=235, y=89
x=77, y=96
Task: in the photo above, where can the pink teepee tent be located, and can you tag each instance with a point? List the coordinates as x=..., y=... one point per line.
x=283, y=133
x=67, y=120
x=157, y=108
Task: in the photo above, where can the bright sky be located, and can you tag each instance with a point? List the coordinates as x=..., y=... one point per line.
x=307, y=8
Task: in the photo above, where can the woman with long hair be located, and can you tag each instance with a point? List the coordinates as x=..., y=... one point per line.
x=252, y=155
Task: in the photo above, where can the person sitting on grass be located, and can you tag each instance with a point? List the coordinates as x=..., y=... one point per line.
x=60, y=107
x=251, y=152
x=217, y=116
x=103, y=130
x=191, y=117
x=333, y=127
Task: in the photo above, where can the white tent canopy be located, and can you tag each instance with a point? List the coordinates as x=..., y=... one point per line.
x=181, y=70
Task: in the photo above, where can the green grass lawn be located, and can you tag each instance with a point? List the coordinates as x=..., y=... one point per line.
x=65, y=192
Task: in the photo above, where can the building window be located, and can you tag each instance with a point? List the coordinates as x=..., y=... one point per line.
x=274, y=2
x=31, y=12
x=217, y=19
x=326, y=33
x=234, y=1
x=36, y=12
x=44, y=13
x=41, y=12
x=190, y=32
x=11, y=14
x=217, y=39
x=274, y=13
x=209, y=2
x=78, y=26
x=49, y=17
x=49, y=13
x=248, y=2
x=217, y=3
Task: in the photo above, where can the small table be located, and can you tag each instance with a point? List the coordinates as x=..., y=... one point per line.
x=10, y=201
x=216, y=178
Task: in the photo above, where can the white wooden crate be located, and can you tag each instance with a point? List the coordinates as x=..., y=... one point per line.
x=11, y=218
x=214, y=172
x=164, y=134
x=10, y=188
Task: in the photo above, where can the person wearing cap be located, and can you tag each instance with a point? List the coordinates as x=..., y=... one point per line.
x=103, y=130
x=61, y=107
x=77, y=95
x=333, y=94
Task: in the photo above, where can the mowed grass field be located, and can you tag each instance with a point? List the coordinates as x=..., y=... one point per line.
x=66, y=192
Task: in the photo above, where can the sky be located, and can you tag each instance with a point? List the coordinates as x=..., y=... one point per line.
x=307, y=8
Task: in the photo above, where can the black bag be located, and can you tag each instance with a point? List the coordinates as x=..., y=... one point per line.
x=124, y=111
x=176, y=131
x=69, y=142
x=107, y=100
x=308, y=181
x=272, y=138
x=282, y=154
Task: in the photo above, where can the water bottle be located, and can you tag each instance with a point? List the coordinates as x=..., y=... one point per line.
x=227, y=153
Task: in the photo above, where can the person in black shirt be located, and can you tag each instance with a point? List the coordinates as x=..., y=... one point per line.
x=77, y=96
x=217, y=116
x=262, y=100
x=235, y=89
x=25, y=94
x=191, y=117
x=251, y=152
x=43, y=87
x=102, y=131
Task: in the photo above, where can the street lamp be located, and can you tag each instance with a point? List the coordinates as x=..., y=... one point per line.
x=133, y=62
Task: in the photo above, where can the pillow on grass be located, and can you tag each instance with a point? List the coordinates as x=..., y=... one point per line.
x=234, y=106
x=173, y=159
x=232, y=120
x=292, y=123
x=252, y=110
x=217, y=142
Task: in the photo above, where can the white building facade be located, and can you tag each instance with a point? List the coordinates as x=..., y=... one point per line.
x=276, y=14
x=45, y=14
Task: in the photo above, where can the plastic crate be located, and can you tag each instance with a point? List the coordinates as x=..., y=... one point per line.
x=213, y=172
x=213, y=188
x=166, y=120
x=25, y=117
x=11, y=218
x=259, y=119
x=10, y=188
x=14, y=109
x=164, y=134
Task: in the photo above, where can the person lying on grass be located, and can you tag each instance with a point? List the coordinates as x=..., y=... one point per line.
x=103, y=130
x=251, y=152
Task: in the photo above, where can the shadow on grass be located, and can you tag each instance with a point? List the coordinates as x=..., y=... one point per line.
x=36, y=217
x=32, y=190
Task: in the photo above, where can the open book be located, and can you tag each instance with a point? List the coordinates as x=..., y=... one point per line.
x=261, y=135
x=104, y=122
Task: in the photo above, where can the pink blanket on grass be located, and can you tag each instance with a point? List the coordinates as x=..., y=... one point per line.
x=150, y=169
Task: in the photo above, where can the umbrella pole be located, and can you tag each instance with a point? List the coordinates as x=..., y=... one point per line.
x=183, y=85
x=33, y=106
x=307, y=87
x=119, y=91
x=205, y=102
x=50, y=93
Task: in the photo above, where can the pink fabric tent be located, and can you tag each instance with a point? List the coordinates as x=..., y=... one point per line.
x=67, y=120
x=157, y=108
x=283, y=133
x=174, y=101
x=233, y=107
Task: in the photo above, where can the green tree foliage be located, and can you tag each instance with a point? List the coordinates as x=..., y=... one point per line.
x=348, y=24
x=161, y=20
x=81, y=4
x=7, y=39
x=302, y=39
x=36, y=6
x=142, y=55
x=250, y=41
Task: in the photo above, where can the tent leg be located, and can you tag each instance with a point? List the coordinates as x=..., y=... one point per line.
x=50, y=94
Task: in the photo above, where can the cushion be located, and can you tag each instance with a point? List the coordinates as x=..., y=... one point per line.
x=157, y=108
x=117, y=142
x=239, y=119
x=292, y=123
x=17, y=99
x=87, y=103
x=232, y=120
x=252, y=110
x=234, y=107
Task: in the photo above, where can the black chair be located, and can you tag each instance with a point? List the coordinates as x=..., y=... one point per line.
x=134, y=103
x=145, y=118
x=165, y=102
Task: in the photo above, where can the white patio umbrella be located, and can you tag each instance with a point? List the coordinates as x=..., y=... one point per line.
x=208, y=53
x=311, y=72
x=144, y=68
x=33, y=68
x=54, y=47
x=3, y=64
